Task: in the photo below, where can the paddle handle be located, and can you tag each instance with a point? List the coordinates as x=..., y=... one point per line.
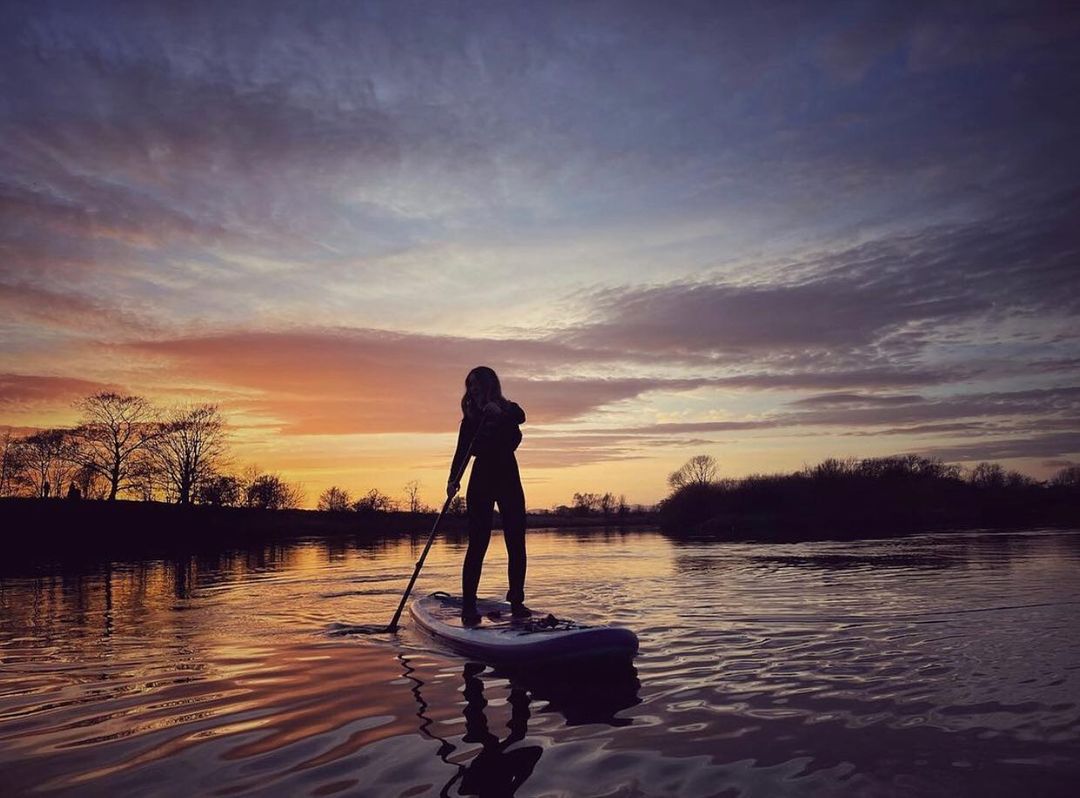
x=431, y=538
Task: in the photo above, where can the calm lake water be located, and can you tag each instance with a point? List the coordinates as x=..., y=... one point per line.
x=928, y=665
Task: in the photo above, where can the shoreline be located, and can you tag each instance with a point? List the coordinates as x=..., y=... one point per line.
x=59, y=529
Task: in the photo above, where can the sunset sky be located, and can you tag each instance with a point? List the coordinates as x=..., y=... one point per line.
x=770, y=232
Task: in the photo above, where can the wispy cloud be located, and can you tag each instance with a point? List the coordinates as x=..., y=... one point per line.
x=887, y=299
x=1052, y=446
x=656, y=221
x=19, y=392
x=76, y=313
x=349, y=381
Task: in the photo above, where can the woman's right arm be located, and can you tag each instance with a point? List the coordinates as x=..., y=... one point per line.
x=459, y=456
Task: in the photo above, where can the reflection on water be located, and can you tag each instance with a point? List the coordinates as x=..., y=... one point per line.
x=579, y=695
x=929, y=665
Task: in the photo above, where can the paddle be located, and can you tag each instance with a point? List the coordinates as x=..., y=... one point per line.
x=393, y=627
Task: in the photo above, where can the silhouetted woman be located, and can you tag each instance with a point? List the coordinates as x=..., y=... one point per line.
x=494, y=420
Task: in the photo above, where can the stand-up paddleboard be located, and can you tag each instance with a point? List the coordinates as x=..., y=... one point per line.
x=500, y=638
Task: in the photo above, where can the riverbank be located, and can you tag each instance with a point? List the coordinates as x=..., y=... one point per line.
x=820, y=504
x=58, y=529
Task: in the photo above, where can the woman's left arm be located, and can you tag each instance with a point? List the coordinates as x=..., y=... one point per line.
x=514, y=412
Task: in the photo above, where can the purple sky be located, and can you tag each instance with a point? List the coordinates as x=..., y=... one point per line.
x=772, y=232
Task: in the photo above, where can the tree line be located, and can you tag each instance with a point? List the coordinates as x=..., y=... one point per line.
x=341, y=500
x=123, y=445
x=336, y=499
x=903, y=491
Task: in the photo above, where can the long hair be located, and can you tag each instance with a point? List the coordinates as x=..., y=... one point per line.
x=489, y=381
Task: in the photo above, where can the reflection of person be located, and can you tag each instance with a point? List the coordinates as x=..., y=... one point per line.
x=494, y=421
x=588, y=696
x=495, y=771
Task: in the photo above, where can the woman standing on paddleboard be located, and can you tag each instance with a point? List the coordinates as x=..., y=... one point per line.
x=491, y=422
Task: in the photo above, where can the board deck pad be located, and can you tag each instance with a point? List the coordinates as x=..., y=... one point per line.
x=500, y=637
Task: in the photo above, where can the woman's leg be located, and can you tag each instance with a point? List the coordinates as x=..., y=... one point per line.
x=512, y=508
x=480, y=504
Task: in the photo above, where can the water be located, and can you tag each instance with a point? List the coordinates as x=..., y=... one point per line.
x=940, y=664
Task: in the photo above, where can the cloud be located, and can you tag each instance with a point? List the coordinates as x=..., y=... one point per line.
x=885, y=298
x=327, y=381
x=868, y=37
x=20, y=391
x=852, y=399
x=68, y=311
x=990, y=413
x=350, y=381
x=547, y=449
x=1050, y=446
x=963, y=427
x=1009, y=406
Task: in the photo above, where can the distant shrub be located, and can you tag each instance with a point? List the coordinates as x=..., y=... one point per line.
x=852, y=496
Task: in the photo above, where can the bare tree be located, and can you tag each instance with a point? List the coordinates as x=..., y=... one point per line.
x=698, y=470
x=188, y=447
x=412, y=496
x=585, y=503
x=457, y=506
x=374, y=502
x=146, y=478
x=48, y=460
x=14, y=476
x=335, y=500
x=220, y=490
x=1068, y=477
x=91, y=483
x=988, y=475
x=607, y=503
x=113, y=430
x=271, y=492
x=65, y=465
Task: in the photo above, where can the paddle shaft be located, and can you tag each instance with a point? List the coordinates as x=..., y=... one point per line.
x=434, y=529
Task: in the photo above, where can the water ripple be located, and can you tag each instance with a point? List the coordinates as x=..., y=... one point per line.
x=929, y=665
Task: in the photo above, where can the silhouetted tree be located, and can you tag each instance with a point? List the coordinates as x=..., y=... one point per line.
x=90, y=483
x=832, y=468
x=271, y=492
x=1014, y=480
x=988, y=475
x=374, y=502
x=219, y=490
x=1068, y=477
x=187, y=450
x=457, y=506
x=607, y=503
x=113, y=430
x=146, y=479
x=335, y=500
x=412, y=496
x=585, y=503
x=48, y=459
x=698, y=470
x=622, y=508
x=14, y=475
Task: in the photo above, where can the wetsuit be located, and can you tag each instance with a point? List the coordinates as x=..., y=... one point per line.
x=494, y=478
